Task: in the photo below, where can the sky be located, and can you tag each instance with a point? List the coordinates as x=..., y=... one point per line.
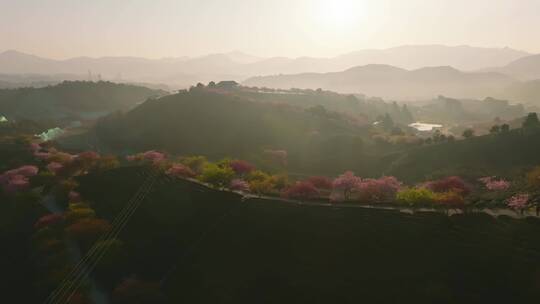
x=322, y=28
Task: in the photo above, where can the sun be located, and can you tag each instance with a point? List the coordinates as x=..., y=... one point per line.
x=339, y=14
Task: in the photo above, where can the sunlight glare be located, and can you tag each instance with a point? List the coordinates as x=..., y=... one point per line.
x=340, y=14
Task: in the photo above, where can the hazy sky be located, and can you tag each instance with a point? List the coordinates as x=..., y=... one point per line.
x=172, y=28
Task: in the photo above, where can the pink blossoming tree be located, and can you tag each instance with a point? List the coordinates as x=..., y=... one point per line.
x=239, y=185
x=518, y=202
x=301, y=190
x=345, y=184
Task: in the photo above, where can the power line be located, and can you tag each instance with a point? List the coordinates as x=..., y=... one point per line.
x=118, y=223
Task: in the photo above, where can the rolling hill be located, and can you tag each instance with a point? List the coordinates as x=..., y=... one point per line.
x=221, y=125
x=394, y=83
x=526, y=68
x=506, y=154
x=71, y=100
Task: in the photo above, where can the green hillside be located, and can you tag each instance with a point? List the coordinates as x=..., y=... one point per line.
x=222, y=125
x=71, y=100
x=500, y=154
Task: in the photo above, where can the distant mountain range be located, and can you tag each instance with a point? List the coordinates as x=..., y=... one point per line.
x=526, y=68
x=394, y=83
x=185, y=71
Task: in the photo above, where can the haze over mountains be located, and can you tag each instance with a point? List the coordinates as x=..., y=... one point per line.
x=393, y=83
x=184, y=71
x=402, y=73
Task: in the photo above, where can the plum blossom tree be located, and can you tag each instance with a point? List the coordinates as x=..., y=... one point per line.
x=378, y=190
x=17, y=179
x=49, y=220
x=451, y=183
x=301, y=190
x=493, y=184
x=320, y=182
x=345, y=184
x=239, y=185
x=179, y=170
x=241, y=167
x=152, y=156
x=518, y=202
x=55, y=167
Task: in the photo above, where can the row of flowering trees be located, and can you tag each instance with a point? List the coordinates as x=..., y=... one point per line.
x=238, y=175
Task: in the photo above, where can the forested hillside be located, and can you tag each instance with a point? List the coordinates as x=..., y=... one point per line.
x=71, y=100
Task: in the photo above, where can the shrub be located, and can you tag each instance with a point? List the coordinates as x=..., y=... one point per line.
x=451, y=200
x=533, y=178
x=280, y=181
x=257, y=175
x=195, y=163
x=216, y=175
x=416, y=196
x=261, y=186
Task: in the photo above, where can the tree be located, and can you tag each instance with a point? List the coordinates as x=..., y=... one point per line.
x=87, y=230
x=416, y=196
x=195, y=163
x=216, y=175
x=241, y=167
x=321, y=182
x=495, y=129
x=261, y=186
x=451, y=183
x=531, y=121
x=505, y=128
x=387, y=122
x=346, y=184
x=495, y=185
x=518, y=202
x=468, y=133
x=180, y=170
x=533, y=178
x=450, y=199
x=301, y=190
x=378, y=190
x=239, y=185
